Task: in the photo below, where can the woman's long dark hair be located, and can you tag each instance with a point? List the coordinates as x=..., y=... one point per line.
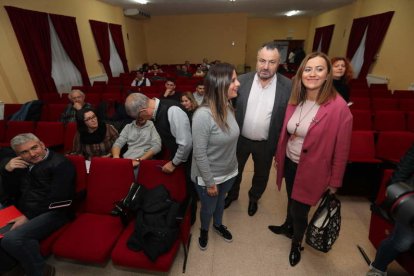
x=85, y=136
x=217, y=83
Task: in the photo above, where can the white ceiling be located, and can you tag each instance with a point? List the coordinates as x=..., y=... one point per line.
x=255, y=8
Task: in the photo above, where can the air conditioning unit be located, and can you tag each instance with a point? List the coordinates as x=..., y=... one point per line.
x=136, y=14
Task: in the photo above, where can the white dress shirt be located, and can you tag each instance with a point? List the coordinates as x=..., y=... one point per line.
x=259, y=110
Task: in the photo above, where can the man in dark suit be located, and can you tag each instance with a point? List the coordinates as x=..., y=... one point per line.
x=260, y=110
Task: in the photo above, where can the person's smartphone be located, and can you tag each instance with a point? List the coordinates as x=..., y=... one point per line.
x=6, y=228
x=60, y=204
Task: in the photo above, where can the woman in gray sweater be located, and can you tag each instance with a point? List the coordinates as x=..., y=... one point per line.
x=215, y=133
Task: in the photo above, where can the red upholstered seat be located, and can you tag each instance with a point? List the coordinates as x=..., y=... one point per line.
x=392, y=145
x=362, y=119
x=384, y=104
x=91, y=237
x=70, y=131
x=362, y=147
x=410, y=121
x=14, y=128
x=2, y=130
x=406, y=104
x=54, y=112
x=388, y=120
x=360, y=103
x=50, y=133
x=150, y=175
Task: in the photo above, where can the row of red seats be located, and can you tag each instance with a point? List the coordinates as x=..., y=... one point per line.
x=388, y=146
x=387, y=120
x=405, y=104
x=95, y=236
x=53, y=134
x=380, y=228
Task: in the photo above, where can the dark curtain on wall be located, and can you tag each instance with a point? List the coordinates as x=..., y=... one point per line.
x=33, y=34
x=101, y=35
x=377, y=29
x=116, y=32
x=376, y=26
x=324, y=34
x=67, y=31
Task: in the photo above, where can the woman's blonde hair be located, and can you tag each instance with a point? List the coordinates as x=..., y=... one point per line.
x=191, y=98
x=326, y=92
x=217, y=83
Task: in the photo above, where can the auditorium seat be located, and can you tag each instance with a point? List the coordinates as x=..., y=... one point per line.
x=362, y=119
x=92, y=235
x=360, y=103
x=410, y=121
x=406, y=104
x=70, y=131
x=14, y=128
x=53, y=112
x=392, y=145
x=50, y=133
x=150, y=175
x=362, y=147
x=384, y=104
x=389, y=121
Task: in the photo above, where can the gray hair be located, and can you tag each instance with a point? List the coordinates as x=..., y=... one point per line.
x=134, y=103
x=74, y=91
x=22, y=139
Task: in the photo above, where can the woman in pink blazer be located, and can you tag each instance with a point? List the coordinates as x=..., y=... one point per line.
x=313, y=147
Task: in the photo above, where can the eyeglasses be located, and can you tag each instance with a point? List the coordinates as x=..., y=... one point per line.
x=93, y=117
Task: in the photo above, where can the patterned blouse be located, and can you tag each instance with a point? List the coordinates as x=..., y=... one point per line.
x=101, y=149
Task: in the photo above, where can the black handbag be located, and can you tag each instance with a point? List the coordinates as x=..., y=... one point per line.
x=323, y=229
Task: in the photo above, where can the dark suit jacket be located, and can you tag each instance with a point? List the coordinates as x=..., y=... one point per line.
x=283, y=89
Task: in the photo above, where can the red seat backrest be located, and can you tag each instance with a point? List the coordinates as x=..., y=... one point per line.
x=388, y=120
x=18, y=127
x=70, y=131
x=50, y=133
x=81, y=176
x=108, y=182
x=392, y=145
x=150, y=175
x=362, y=119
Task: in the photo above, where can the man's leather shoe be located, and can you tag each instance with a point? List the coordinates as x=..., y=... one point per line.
x=294, y=256
x=228, y=201
x=252, y=208
x=284, y=229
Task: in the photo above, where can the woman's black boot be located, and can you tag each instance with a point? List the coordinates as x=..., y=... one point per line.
x=294, y=256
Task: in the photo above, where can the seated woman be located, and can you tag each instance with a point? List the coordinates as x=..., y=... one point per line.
x=142, y=139
x=93, y=138
x=342, y=74
x=188, y=101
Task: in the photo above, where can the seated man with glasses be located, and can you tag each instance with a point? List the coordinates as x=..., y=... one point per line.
x=40, y=184
x=171, y=122
x=77, y=102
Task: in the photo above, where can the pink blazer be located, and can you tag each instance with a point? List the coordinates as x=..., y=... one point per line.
x=324, y=153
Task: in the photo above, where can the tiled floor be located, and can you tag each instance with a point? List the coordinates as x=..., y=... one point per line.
x=257, y=251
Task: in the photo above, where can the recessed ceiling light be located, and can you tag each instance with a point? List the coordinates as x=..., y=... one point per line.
x=141, y=1
x=232, y=0
x=292, y=12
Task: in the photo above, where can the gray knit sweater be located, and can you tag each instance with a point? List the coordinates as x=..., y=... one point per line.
x=214, y=151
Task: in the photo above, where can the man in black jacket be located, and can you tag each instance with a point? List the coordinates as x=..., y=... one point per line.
x=43, y=184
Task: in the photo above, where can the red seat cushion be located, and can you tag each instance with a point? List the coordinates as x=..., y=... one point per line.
x=123, y=256
x=95, y=236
